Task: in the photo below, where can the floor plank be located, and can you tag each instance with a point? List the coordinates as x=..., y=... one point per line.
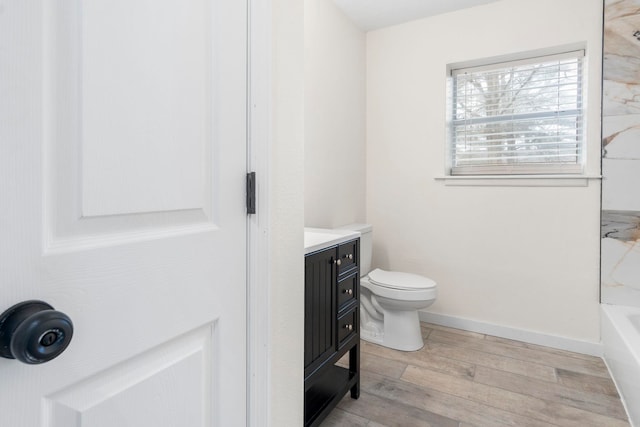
x=589, y=401
x=422, y=358
x=467, y=379
x=394, y=413
x=340, y=418
x=434, y=327
x=538, y=409
x=587, y=382
x=592, y=366
x=540, y=347
x=491, y=360
x=448, y=405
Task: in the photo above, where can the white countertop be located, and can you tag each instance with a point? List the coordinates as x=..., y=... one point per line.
x=316, y=239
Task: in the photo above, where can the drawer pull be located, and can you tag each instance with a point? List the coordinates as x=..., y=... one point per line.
x=348, y=327
x=350, y=256
x=337, y=262
x=348, y=291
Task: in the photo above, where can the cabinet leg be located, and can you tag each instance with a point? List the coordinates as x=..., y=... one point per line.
x=354, y=366
x=355, y=390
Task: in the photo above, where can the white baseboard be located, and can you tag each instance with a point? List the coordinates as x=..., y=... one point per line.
x=554, y=341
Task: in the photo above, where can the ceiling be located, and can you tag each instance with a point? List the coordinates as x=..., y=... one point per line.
x=374, y=14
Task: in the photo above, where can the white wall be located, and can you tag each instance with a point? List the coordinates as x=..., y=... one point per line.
x=334, y=117
x=286, y=195
x=521, y=257
x=336, y=147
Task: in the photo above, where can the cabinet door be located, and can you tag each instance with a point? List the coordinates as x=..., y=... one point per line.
x=320, y=308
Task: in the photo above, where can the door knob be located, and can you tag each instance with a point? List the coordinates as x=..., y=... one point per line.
x=33, y=332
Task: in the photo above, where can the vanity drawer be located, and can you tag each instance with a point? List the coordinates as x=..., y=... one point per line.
x=348, y=255
x=347, y=326
x=348, y=290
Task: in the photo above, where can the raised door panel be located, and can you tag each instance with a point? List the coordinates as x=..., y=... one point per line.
x=145, y=105
x=130, y=100
x=168, y=386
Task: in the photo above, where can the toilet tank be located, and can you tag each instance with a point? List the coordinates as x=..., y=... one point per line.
x=366, y=245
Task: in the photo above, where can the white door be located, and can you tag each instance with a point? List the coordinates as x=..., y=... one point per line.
x=122, y=166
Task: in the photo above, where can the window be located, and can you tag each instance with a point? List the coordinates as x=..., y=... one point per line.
x=518, y=117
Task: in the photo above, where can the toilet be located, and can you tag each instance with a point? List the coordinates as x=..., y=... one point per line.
x=390, y=300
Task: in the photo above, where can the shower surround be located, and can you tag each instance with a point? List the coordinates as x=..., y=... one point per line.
x=620, y=265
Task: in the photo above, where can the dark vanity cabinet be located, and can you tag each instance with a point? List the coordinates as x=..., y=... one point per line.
x=331, y=329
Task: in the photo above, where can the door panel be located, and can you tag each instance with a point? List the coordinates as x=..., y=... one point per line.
x=129, y=119
x=144, y=391
x=145, y=104
x=122, y=165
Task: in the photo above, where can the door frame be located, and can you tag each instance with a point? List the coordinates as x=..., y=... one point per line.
x=258, y=253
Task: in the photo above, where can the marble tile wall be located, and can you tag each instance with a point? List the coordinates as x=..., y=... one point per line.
x=620, y=265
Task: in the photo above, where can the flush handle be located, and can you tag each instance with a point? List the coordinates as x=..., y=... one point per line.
x=33, y=332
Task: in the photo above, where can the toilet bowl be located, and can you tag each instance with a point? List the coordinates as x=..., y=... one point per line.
x=390, y=300
x=389, y=308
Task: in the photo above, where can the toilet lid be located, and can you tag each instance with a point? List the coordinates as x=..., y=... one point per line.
x=398, y=280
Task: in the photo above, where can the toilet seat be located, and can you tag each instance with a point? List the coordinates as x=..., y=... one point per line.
x=399, y=286
x=399, y=280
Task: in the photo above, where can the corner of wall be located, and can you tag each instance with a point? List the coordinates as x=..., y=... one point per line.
x=286, y=196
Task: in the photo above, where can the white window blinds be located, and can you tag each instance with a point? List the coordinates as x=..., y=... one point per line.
x=520, y=117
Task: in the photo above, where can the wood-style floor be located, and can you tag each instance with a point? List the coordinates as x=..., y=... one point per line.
x=463, y=379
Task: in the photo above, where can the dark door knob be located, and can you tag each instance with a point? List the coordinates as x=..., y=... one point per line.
x=33, y=332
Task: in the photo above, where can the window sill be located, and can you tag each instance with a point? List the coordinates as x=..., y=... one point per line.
x=518, y=180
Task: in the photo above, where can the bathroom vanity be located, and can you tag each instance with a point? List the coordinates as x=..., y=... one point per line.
x=331, y=324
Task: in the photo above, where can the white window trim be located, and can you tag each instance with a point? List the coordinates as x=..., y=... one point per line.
x=564, y=180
